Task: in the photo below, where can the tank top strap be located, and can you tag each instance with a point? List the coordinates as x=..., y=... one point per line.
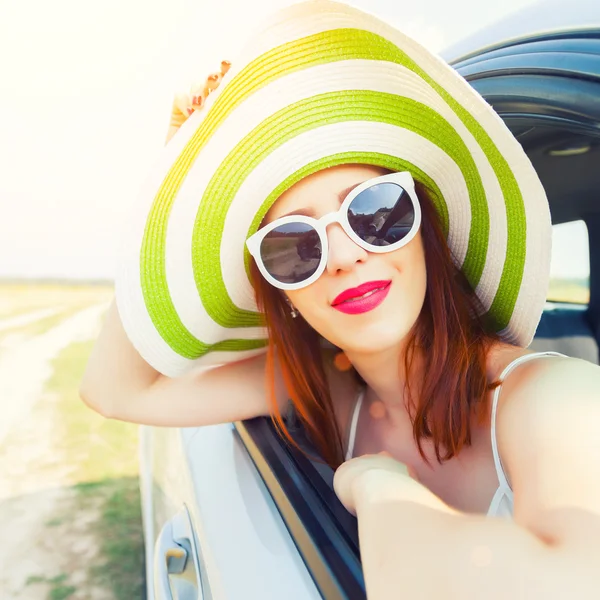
x=515, y=363
x=354, y=423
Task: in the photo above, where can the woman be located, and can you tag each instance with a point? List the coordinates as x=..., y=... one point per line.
x=350, y=192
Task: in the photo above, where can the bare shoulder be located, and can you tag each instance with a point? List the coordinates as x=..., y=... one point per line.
x=539, y=369
x=540, y=385
x=541, y=393
x=547, y=431
x=542, y=401
x=545, y=377
x=543, y=385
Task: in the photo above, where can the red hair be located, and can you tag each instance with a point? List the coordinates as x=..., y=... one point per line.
x=450, y=337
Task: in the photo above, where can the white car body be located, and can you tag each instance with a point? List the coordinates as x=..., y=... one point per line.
x=243, y=548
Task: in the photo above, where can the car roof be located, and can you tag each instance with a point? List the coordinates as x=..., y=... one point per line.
x=548, y=18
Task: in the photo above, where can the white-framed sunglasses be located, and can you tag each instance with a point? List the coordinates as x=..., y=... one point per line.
x=380, y=215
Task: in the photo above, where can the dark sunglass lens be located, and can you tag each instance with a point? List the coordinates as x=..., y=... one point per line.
x=291, y=253
x=382, y=214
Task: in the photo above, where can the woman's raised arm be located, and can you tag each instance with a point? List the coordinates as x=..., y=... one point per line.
x=119, y=384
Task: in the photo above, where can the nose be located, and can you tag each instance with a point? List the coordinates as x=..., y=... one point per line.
x=344, y=254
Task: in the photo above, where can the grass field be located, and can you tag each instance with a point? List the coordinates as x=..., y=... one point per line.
x=68, y=477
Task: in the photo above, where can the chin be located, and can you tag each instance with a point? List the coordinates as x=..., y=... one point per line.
x=381, y=331
x=379, y=337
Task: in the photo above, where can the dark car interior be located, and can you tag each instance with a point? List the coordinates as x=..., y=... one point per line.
x=565, y=161
x=546, y=90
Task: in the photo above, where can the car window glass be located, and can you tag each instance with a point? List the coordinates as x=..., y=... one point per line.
x=570, y=264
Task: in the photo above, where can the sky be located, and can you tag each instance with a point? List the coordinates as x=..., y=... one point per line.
x=85, y=95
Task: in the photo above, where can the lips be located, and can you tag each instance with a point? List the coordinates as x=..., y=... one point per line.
x=354, y=294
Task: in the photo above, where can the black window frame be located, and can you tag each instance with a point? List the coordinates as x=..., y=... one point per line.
x=324, y=532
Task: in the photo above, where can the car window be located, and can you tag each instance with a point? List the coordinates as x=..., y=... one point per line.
x=325, y=533
x=570, y=264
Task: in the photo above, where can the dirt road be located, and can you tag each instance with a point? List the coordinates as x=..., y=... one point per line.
x=53, y=489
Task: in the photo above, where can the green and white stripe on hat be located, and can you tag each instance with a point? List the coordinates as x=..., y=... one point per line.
x=323, y=84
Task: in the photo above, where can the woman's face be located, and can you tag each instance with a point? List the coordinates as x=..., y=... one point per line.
x=362, y=324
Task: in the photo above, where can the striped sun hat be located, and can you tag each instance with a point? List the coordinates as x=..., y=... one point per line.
x=323, y=84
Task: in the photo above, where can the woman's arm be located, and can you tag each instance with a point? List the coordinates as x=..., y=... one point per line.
x=412, y=542
x=119, y=384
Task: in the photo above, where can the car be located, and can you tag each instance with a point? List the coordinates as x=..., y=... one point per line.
x=231, y=511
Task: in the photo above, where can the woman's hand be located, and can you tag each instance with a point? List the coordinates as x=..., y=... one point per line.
x=184, y=104
x=375, y=479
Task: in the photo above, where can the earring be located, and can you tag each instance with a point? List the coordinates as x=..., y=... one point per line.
x=293, y=311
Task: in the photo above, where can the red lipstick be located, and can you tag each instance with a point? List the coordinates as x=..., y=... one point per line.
x=363, y=298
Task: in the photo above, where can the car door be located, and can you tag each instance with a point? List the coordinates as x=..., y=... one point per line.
x=212, y=528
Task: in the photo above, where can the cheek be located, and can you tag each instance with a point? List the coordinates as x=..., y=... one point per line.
x=410, y=263
x=420, y=267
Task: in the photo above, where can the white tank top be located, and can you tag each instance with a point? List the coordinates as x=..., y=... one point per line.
x=502, y=503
